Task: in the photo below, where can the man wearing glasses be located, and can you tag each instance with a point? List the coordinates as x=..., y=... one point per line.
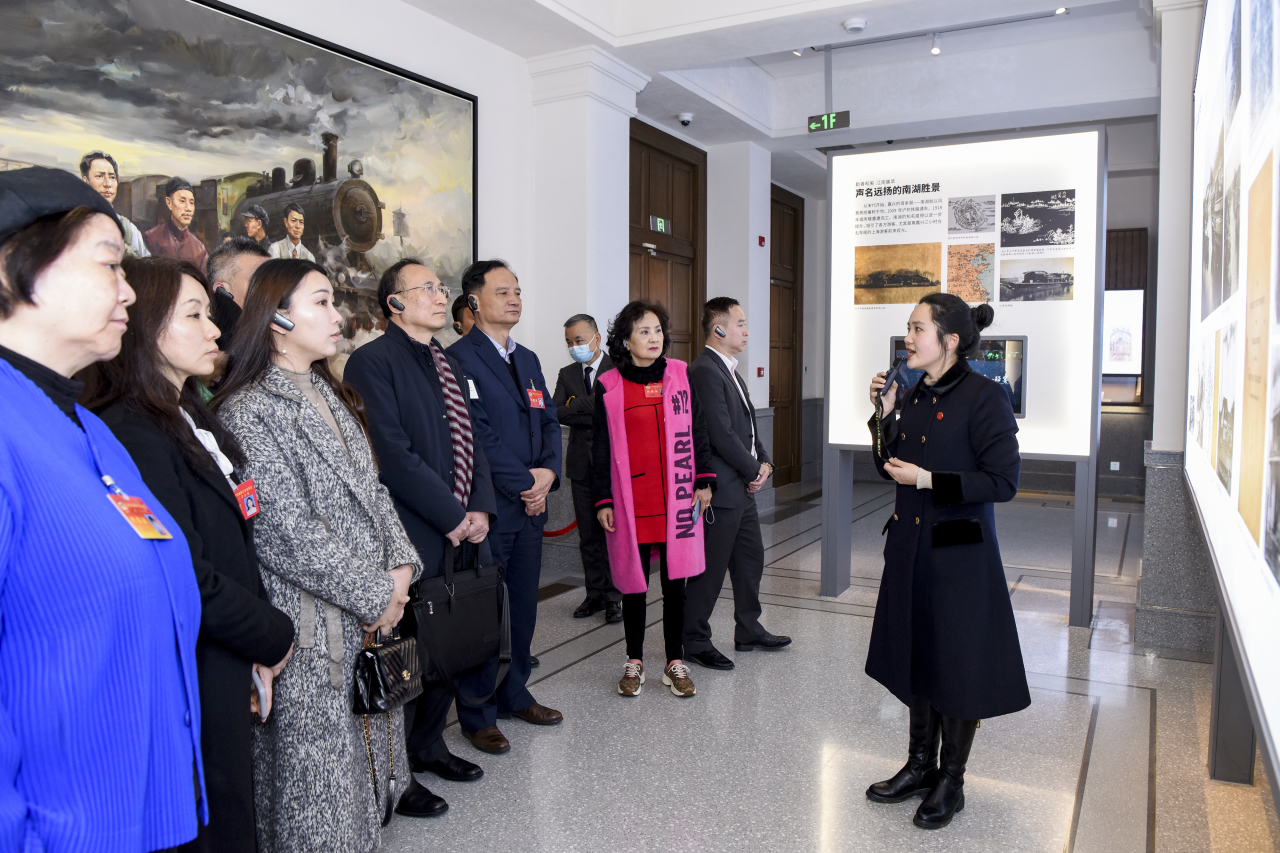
x=420, y=425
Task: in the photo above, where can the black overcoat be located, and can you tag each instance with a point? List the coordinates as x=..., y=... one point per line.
x=944, y=627
x=575, y=408
x=238, y=625
x=410, y=437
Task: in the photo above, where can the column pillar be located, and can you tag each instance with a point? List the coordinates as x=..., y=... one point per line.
x=1177, y=593
x=739, y=203
x=583, y=100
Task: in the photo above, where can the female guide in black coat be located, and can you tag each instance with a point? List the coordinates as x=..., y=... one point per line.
x=944, y=640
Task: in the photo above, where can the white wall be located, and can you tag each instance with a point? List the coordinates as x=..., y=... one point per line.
x=401, y=35
x=738, y=211
x=1133, y=201
x=816, y=253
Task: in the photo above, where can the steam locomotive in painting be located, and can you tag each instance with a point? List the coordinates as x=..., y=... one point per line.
x=343, y=215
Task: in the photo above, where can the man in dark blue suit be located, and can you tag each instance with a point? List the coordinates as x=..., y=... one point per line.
x=423, y=433
x=521, y=439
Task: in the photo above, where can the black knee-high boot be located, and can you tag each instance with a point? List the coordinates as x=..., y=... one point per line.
x=947, y=797
x=920, y=773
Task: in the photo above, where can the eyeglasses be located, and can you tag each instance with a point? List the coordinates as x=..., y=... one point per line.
x=438, y=288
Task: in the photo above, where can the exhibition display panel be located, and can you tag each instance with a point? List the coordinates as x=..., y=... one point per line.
x=1233, y=382
x=1016, y=221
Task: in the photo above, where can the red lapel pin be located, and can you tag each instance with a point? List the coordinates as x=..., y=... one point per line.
x=939, y=415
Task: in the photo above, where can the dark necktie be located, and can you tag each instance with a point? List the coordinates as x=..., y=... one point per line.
x=586, y=377
x=459, y=424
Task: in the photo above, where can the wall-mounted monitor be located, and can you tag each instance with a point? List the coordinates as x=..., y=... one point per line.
x=1001, y=359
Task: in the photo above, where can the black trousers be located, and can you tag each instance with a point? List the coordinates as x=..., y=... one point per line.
x=733, y=544
x=592, y=546
x=634, y=606
x=425, y=718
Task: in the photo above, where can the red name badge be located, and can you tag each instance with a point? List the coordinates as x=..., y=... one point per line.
x=535, y=398
x=247, y=498
x=653, y=389
x=140, y=517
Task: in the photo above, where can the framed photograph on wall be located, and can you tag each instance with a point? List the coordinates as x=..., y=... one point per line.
x=263, y=122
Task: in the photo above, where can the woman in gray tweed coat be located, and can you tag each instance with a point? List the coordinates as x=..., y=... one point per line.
x=334, y=557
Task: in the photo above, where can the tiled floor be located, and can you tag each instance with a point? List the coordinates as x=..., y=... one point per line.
x=775, y=755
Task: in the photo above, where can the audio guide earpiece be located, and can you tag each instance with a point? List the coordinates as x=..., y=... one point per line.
x=473, y=303
x=395, y=303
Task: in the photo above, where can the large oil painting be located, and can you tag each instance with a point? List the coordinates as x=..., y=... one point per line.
x=368, y=162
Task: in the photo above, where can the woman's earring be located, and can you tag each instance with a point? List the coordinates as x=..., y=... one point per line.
x=284, y=351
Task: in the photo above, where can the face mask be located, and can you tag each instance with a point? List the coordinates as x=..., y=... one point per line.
x=581, y=354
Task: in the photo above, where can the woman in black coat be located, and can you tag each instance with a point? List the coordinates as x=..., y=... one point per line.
x=944, y=640
x=148, y=398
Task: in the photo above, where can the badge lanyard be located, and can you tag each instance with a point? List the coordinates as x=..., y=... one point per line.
x=134, y=509
x=535, y=397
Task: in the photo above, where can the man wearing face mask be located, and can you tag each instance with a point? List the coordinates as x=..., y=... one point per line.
x=575, y=406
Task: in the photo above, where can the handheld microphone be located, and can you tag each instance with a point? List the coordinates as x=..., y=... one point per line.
x=896, y=373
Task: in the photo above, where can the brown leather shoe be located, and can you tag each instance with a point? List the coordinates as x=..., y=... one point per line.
x=540, y=715
x=489, y=740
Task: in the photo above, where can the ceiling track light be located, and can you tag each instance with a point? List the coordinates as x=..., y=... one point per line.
x=976, y=25
x=798, y=52
x=937, y=44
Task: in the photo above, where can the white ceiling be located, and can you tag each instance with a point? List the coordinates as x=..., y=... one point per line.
x=730, y=63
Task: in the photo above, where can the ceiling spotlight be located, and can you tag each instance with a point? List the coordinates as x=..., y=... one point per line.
x=1061, y=10
x=854, y=25
x=937, y=45
x=798, y=51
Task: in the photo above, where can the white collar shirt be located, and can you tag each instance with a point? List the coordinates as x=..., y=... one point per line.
x=732, y=363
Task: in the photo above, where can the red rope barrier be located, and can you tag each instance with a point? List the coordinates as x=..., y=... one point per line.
x=551, y=534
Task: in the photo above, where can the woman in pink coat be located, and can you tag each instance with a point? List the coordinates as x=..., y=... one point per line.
x=652, y=494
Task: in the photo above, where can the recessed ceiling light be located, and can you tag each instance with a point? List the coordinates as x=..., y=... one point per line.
x=1061, y=10
x=854, y=25
x=798, y=52
x=937, y=45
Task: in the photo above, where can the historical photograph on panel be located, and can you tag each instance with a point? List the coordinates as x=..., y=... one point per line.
x=1231, y=238
x=169, y=105
x=1038, y=219
x=1037, y=279
x=971, y=214
x=1228, y=355
x=1271, y=501
x=896, y=274
x=1201, y=402
x=1257, y=328
x=1261, y=69
x=1233, y=65
x=971, y=271
x=1211, y=237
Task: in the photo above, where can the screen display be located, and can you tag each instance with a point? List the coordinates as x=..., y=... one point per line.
x=1002, y=360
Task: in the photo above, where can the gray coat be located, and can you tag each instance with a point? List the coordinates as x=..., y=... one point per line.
x=326, y=537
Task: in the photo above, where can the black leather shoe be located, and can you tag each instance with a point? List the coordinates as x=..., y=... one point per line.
x=946, y=799
x=613, y=611
x=766, y=642
x=919, y=775
x=533, y=661
x=417, y=801
x=451, y=767
x=711, y=659
x=588, y=607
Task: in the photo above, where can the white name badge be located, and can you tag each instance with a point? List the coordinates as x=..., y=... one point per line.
x=471, y=387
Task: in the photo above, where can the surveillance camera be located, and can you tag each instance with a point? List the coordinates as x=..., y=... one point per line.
x=686, y=119
x=855, y=25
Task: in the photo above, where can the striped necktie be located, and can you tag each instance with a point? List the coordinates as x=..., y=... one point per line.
x=459, y=424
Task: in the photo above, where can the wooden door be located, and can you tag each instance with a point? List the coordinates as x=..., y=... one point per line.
x=668, y=181
x=786, y=290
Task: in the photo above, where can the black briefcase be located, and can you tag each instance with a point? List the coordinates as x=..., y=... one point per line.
x=463, y=618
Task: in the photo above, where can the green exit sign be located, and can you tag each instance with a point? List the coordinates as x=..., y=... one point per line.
x=829, y=121
x=659, y=224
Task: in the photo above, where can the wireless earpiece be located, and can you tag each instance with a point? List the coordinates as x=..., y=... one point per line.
x=457, y=327
x=395, y=303
x=224, y=292
x=720, y=332
x=282, y=321
x=473, y=303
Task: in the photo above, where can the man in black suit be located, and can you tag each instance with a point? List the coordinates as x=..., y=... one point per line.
x=229, y=268
x=742, y=466
x=421, y=429
x=575, y=406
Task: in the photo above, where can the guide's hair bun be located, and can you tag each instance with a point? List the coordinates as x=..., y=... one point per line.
x=982, y=315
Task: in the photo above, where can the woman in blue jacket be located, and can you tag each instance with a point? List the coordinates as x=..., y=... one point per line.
x=99, y=708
